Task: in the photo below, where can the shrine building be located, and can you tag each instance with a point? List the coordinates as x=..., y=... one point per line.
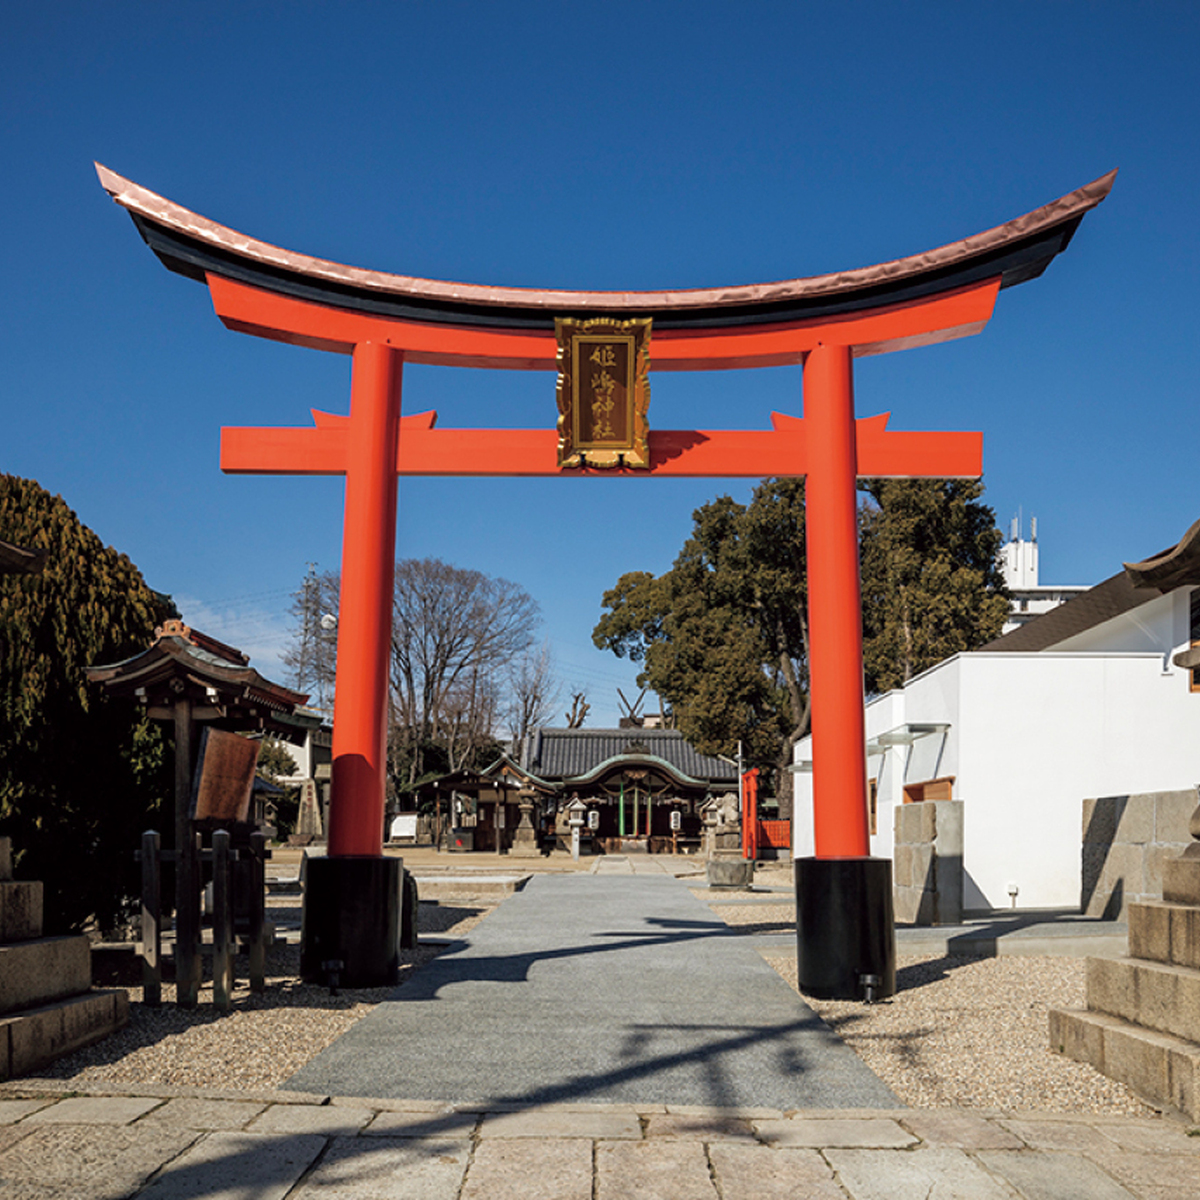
x=643, y=789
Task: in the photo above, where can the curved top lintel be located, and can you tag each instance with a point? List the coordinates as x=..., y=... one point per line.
x=1017, y=250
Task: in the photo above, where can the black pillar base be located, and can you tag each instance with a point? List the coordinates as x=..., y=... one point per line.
x=352, y=917
x=845, y=929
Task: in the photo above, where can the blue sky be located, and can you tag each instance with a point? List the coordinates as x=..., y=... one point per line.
x=618, y=146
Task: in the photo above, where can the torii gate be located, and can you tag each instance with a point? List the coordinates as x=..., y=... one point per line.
x=823, y=323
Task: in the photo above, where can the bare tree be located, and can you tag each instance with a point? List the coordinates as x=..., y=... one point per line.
x=532, y=695
x=312, y=654
x=578, y=711
x=454, y=634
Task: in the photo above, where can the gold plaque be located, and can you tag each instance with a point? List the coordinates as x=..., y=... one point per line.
x=603, y=392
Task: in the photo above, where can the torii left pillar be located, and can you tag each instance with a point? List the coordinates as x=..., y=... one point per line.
x=353, y=896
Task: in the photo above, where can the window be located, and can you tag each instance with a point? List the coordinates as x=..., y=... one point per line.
x=929, y=789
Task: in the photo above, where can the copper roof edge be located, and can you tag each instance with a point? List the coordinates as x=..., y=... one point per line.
x=1170, y=568
x=166, y=213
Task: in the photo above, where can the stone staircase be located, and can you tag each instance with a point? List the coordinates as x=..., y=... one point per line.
x=1142, y=1024
x=47, y=1004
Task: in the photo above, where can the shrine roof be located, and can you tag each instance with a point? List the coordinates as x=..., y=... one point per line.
x=1137, y=584
x=184, y=662
x=572, y=754
x=194, y=246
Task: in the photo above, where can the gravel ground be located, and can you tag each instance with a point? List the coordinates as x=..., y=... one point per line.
x=965, y=1032
x=264, y=1038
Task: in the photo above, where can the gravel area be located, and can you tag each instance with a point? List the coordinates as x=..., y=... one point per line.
x=966, y=1032
x=264, y=1038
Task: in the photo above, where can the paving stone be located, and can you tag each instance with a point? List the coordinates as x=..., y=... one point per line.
x=934, y=1174
x=189, y=1112
x=524, y=1169
x=763, y=1173
x=1155, y=1176
x=325, y=1120
x=422, y=1125
x=236, y=1166
x=387, y=1169
x=92, y=1161
x=1073, y=1136
x=962, y=1130
x=95, y=1110
x=873, y=1132
x=1053, y=1176
x=547, y=1123
x=707, y=1110
x=1159, y=1137
x=14, y=1110
x=662, y=1170
x=710, y=1128
x=415, y=1106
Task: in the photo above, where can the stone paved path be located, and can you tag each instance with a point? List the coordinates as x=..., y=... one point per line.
x=188, y=1144
x=593, y=987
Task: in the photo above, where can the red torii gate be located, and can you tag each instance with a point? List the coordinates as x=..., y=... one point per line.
x=822, y=323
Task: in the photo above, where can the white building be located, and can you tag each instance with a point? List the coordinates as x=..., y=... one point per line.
x=1019, y=562
x=1081, y=702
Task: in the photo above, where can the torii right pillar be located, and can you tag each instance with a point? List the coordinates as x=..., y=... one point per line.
x=846, y=946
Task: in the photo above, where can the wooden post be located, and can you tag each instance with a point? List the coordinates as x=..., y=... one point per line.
x=151, y=920
x=187, y=888
x=258, y=885
x=222, y=923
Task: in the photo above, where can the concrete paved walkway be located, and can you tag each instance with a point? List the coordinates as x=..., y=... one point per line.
x=188, y=1144
x=590, y=987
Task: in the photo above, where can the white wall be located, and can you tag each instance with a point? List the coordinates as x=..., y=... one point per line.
x=1031, y=736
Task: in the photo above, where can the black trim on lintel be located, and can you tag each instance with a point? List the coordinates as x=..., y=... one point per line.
x=1015, y=263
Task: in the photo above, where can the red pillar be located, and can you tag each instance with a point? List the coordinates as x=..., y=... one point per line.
x=365, y=605
x=835, y=607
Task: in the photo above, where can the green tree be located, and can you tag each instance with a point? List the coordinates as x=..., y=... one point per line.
x=932, y=585
x=723, y=634
x=80, y=776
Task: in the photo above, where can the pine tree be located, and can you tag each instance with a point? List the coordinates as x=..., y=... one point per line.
x=724, y=635
x=80, y=776
x=932, y=585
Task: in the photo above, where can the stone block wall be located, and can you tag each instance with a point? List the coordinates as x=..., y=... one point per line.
x=927, y=864
x=1126, y=840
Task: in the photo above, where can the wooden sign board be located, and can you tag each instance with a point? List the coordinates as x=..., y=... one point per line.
x=603, y=392
x=224, y=777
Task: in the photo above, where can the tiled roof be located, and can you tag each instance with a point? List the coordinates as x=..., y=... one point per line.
x=555, y=754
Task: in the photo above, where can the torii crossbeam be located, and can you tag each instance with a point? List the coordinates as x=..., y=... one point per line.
x=821, y=323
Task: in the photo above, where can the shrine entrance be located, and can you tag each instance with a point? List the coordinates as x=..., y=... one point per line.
x=603, y=344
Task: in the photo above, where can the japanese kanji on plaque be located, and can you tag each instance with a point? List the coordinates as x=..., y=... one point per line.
x=603, y=392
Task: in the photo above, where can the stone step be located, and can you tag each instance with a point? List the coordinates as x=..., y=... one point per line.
x=42, y=970
x=32, y=1038
x=1166, y=932
x=20, y=910
x=1154, y=995
x=1158, y=1066
x=435, y=887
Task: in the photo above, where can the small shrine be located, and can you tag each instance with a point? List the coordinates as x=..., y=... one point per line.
x=200, y=684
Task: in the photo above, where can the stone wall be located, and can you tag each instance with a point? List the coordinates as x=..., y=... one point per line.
x=1126, y=839
x=928, y=862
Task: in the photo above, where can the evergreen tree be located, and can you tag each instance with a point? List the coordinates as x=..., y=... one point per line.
x=931, y=580
x=80, y=776
x=724, y=636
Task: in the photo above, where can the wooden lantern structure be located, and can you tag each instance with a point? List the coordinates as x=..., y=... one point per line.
x=193, y=681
